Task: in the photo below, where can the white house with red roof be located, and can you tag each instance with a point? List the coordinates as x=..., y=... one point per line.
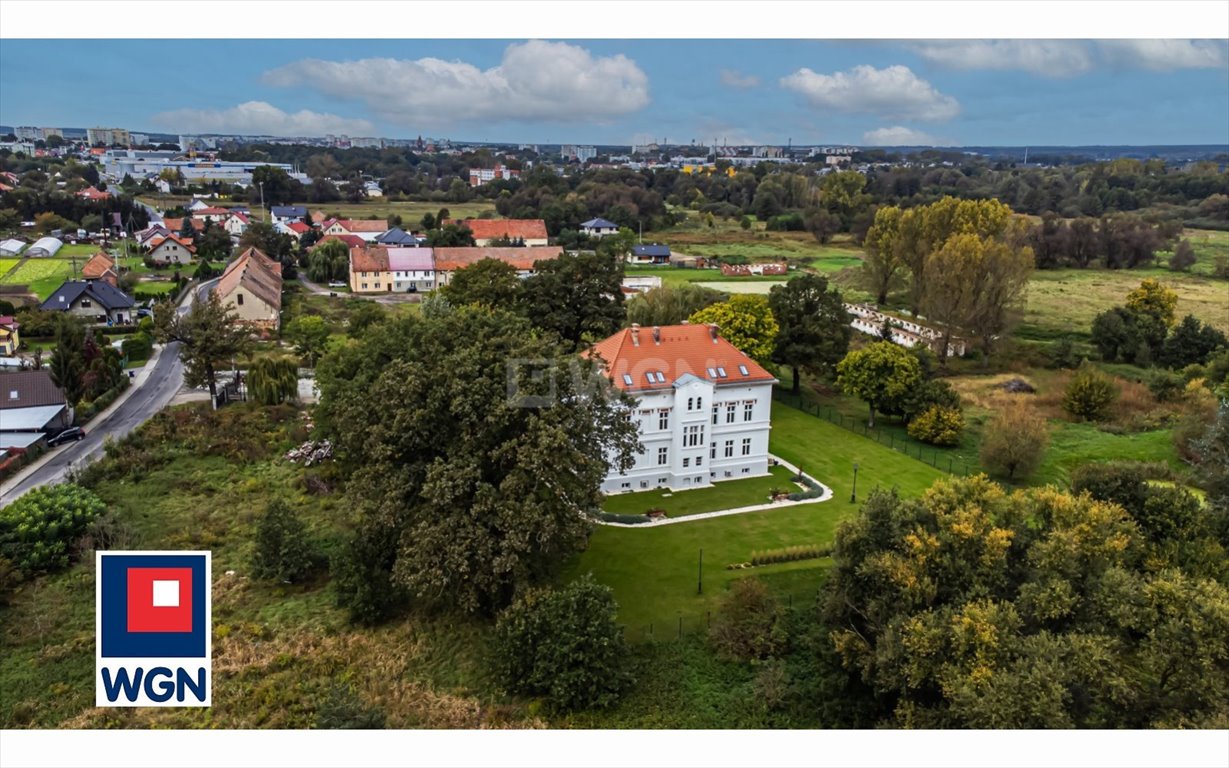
x=703, y=407
x=236, y=223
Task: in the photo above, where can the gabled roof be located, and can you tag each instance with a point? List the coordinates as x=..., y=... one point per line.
x=296, y=211
x=255, y=272
x=396, y=236
x=490, y=229
x=523, y=259
x=297, y=227
x=651, y=250
x=676, y=352
x=93, y=193
x=599, y=224
x=410, y=259
x=98, y=266
x=108, y=296
x=186, y=242
x=210, y=212
x=351, y=241
x=240, y=215
x=368, y=259
x=363, y=225
x=175, y=225
x=319, y=216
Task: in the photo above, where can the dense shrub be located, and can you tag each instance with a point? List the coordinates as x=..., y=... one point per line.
x=1014, y=441
x=1166, y=386
x=938, y=425
x=38, y=530
x=563, y=645
x=284, y=551
x=139, y=346
x=343, y=709
x=611, y=517
x=786, y=222
x=748, y=623
x=789, y=554
x=814, y=490
x=1123, y=483
x=1090, y=394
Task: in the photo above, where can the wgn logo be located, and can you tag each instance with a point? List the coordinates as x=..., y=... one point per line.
x=153, y=629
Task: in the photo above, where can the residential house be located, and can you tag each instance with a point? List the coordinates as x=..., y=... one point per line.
x=399, y=237
x=486, y=231
x=372, y=189
x=653, y=253
x=94, y=300
x=93, y=193
x=31, y=405
x=10, y=335
x=44, y=247
x=236, y=223
x=171, y=249
x=293, y=228
x=319, y=217
x=909, y=333
x=683, y=261
x=351, y=241
x=703, y=408
x=12, y=247
x=284, y=214
x=251, y=286
x=175, y=226
x=216, y=215
x=101, y=266
x=367, y=229
x=640, y=284
x=480, y=176
x=599, y=228
x=369, y=269
x=449, y=260
x=197, y=205
x=150, y=233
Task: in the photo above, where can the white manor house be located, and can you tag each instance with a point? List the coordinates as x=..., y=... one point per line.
x=703, y=407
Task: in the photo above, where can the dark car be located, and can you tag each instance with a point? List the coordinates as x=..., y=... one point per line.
x=72, y=433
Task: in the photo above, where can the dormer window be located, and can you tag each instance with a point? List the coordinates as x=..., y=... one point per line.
x=627, y=379
x=743, y=370
x=721, y=372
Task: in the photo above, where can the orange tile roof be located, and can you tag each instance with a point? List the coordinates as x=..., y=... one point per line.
x=256, y=272
x=186, y=242
x=353, y=241
x=175, y=225
x=364, y=259
x=451, y=259
x=98, y=266
x=364, y=225
x=677, y=351
x=489, y=229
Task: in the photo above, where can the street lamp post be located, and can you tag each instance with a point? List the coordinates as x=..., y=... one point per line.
x=853, y=497
x=263, y=213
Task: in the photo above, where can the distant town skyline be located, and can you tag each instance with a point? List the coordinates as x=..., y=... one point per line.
x=885, y=93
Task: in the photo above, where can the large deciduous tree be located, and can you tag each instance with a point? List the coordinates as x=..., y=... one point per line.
x=1015, y=441
x=814, y=326
x=310, y=336
x=328, y=261
x=882, y=263
x=879, y=373
x=746, y=321
x=975, y=608
x=209, y=335
x=671, y=304
x=579, y=297
x=489, y=283
x=479, y=473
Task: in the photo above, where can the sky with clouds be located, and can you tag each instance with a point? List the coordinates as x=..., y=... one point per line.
x=960, y=93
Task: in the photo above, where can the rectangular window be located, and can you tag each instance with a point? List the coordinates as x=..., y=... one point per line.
x=85, y=303
x=712, y=374
x=699, y=403
x=712, y=450
x=746, y=470
x=743, y=370
x=627, y=379
x=644, y=483
x=746, y=446
x=686, y=461
x=626, y=485
x=721, y=372
x=714, y=413
x=649, y=376
x=729, y=413
x=663, y=455
x=691, y=403
x=239, y=299
x=700, y=460
x=748, y=410
x=693, y=436
x=663, y=418
x=729, y=448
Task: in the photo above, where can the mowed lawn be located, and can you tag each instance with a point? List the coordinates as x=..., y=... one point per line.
x=654, y=570
x=727, y=494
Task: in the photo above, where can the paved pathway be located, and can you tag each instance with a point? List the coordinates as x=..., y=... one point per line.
x=827, y=494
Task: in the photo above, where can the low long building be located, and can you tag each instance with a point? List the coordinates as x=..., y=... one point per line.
x=487, y=231
x=908, y=333
x=449, y=260
x=375, y=269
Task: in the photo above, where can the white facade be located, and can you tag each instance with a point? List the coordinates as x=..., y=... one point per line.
x=907, y=333
x=697, y=433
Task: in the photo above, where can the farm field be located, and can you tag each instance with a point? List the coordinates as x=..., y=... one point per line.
x=42, y=276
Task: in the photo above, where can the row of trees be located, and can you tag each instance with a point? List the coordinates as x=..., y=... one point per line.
x=1145, y=331
x=1123, y=241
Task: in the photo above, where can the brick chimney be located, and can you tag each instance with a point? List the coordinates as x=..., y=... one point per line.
x=635, y=334
x=712, y=331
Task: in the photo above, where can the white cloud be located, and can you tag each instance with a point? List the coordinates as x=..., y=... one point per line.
x=732, y=79
x=893, y=92
x=536, y=80
x=900, y=136
x=1052, y=58
x=262, y=118
x=1165, y=55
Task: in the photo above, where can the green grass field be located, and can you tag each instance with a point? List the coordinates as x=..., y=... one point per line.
x=654, y=571
x=6, y=265
x=723, y=495
x=41, y=276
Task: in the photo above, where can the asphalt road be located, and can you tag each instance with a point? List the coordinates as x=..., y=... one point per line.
x=164, y=381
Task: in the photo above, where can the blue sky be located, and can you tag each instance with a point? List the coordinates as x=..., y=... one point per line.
x=1015, y=93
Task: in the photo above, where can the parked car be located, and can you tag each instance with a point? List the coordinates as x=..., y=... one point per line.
x=72, y=433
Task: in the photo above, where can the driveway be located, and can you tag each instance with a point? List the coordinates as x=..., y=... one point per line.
x=381, y=298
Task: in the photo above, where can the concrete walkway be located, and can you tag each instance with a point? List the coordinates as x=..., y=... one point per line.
x=827, y=494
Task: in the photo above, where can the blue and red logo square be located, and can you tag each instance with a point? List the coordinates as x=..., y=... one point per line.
x=153, y=630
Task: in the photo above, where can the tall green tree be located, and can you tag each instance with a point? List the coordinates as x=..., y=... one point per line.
x=814, y=326
x=489, y=283
x=579, y=296
x=328, y=261
x=671, y=304
x=882, y=263
x=310, y=336
x=746, y=321
x=214, y=243
x=67, y=363
x=209, y=335
x=273, y=380
x=878, y=373
x=477, y=476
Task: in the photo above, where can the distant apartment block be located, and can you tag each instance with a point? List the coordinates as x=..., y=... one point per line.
x=480, y=176
x=108, y=137
x=575, y=152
